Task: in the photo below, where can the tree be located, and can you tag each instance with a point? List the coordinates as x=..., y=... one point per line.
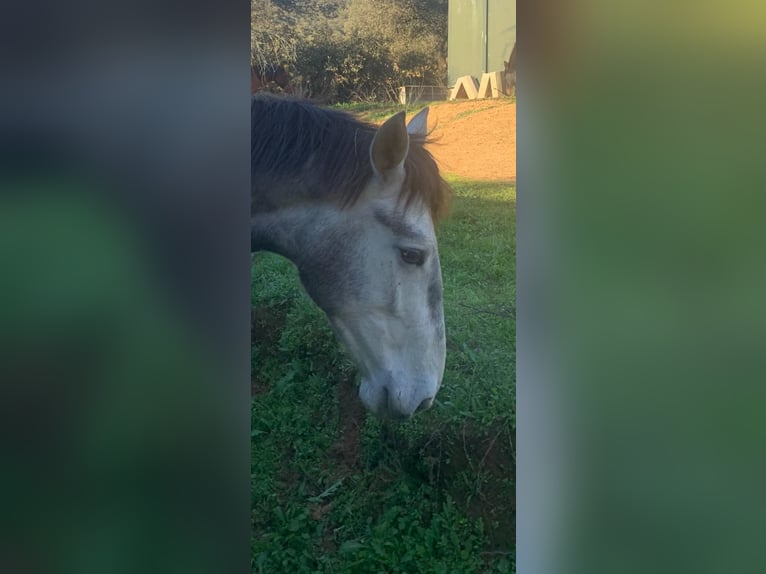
x=271, y=38
x=344, y=50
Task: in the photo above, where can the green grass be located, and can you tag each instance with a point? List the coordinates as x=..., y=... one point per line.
x=376, y=112
x=334, y=489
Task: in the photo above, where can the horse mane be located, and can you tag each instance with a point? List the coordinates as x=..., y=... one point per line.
x=290, y=137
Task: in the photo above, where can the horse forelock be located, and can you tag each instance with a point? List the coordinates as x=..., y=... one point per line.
x=424, y=181
x=293, y=139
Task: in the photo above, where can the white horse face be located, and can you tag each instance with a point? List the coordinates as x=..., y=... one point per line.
x=375, y=271
x=394, y=328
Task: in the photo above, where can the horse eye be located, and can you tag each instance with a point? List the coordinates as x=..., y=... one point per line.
x=411, y=256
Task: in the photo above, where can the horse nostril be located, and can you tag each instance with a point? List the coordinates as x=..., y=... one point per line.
x=426, y=404
x=394, y=409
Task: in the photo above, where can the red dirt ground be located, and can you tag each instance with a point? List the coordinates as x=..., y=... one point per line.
x=475, y=139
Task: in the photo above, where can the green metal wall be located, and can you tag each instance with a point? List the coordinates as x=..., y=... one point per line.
x=481, y=36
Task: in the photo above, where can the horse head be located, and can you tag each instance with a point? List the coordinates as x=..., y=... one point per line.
x=369, y=259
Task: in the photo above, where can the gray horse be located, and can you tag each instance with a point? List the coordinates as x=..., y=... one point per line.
x=353, y=206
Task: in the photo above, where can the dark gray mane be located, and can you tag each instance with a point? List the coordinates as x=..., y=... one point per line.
x=301, y=152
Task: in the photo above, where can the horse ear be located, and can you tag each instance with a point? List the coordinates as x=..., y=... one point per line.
x=390, y=146
x=418, y=125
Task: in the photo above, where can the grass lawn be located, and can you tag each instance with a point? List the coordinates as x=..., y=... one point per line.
x=334, y=489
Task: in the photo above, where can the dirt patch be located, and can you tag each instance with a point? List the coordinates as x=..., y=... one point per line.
x=475, y=139
x=266, y=324
x=352, y=415
x=257, y=386
x=478, y=468
x=495, y=502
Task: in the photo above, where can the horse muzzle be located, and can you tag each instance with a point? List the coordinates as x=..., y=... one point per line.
x=394, y=400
